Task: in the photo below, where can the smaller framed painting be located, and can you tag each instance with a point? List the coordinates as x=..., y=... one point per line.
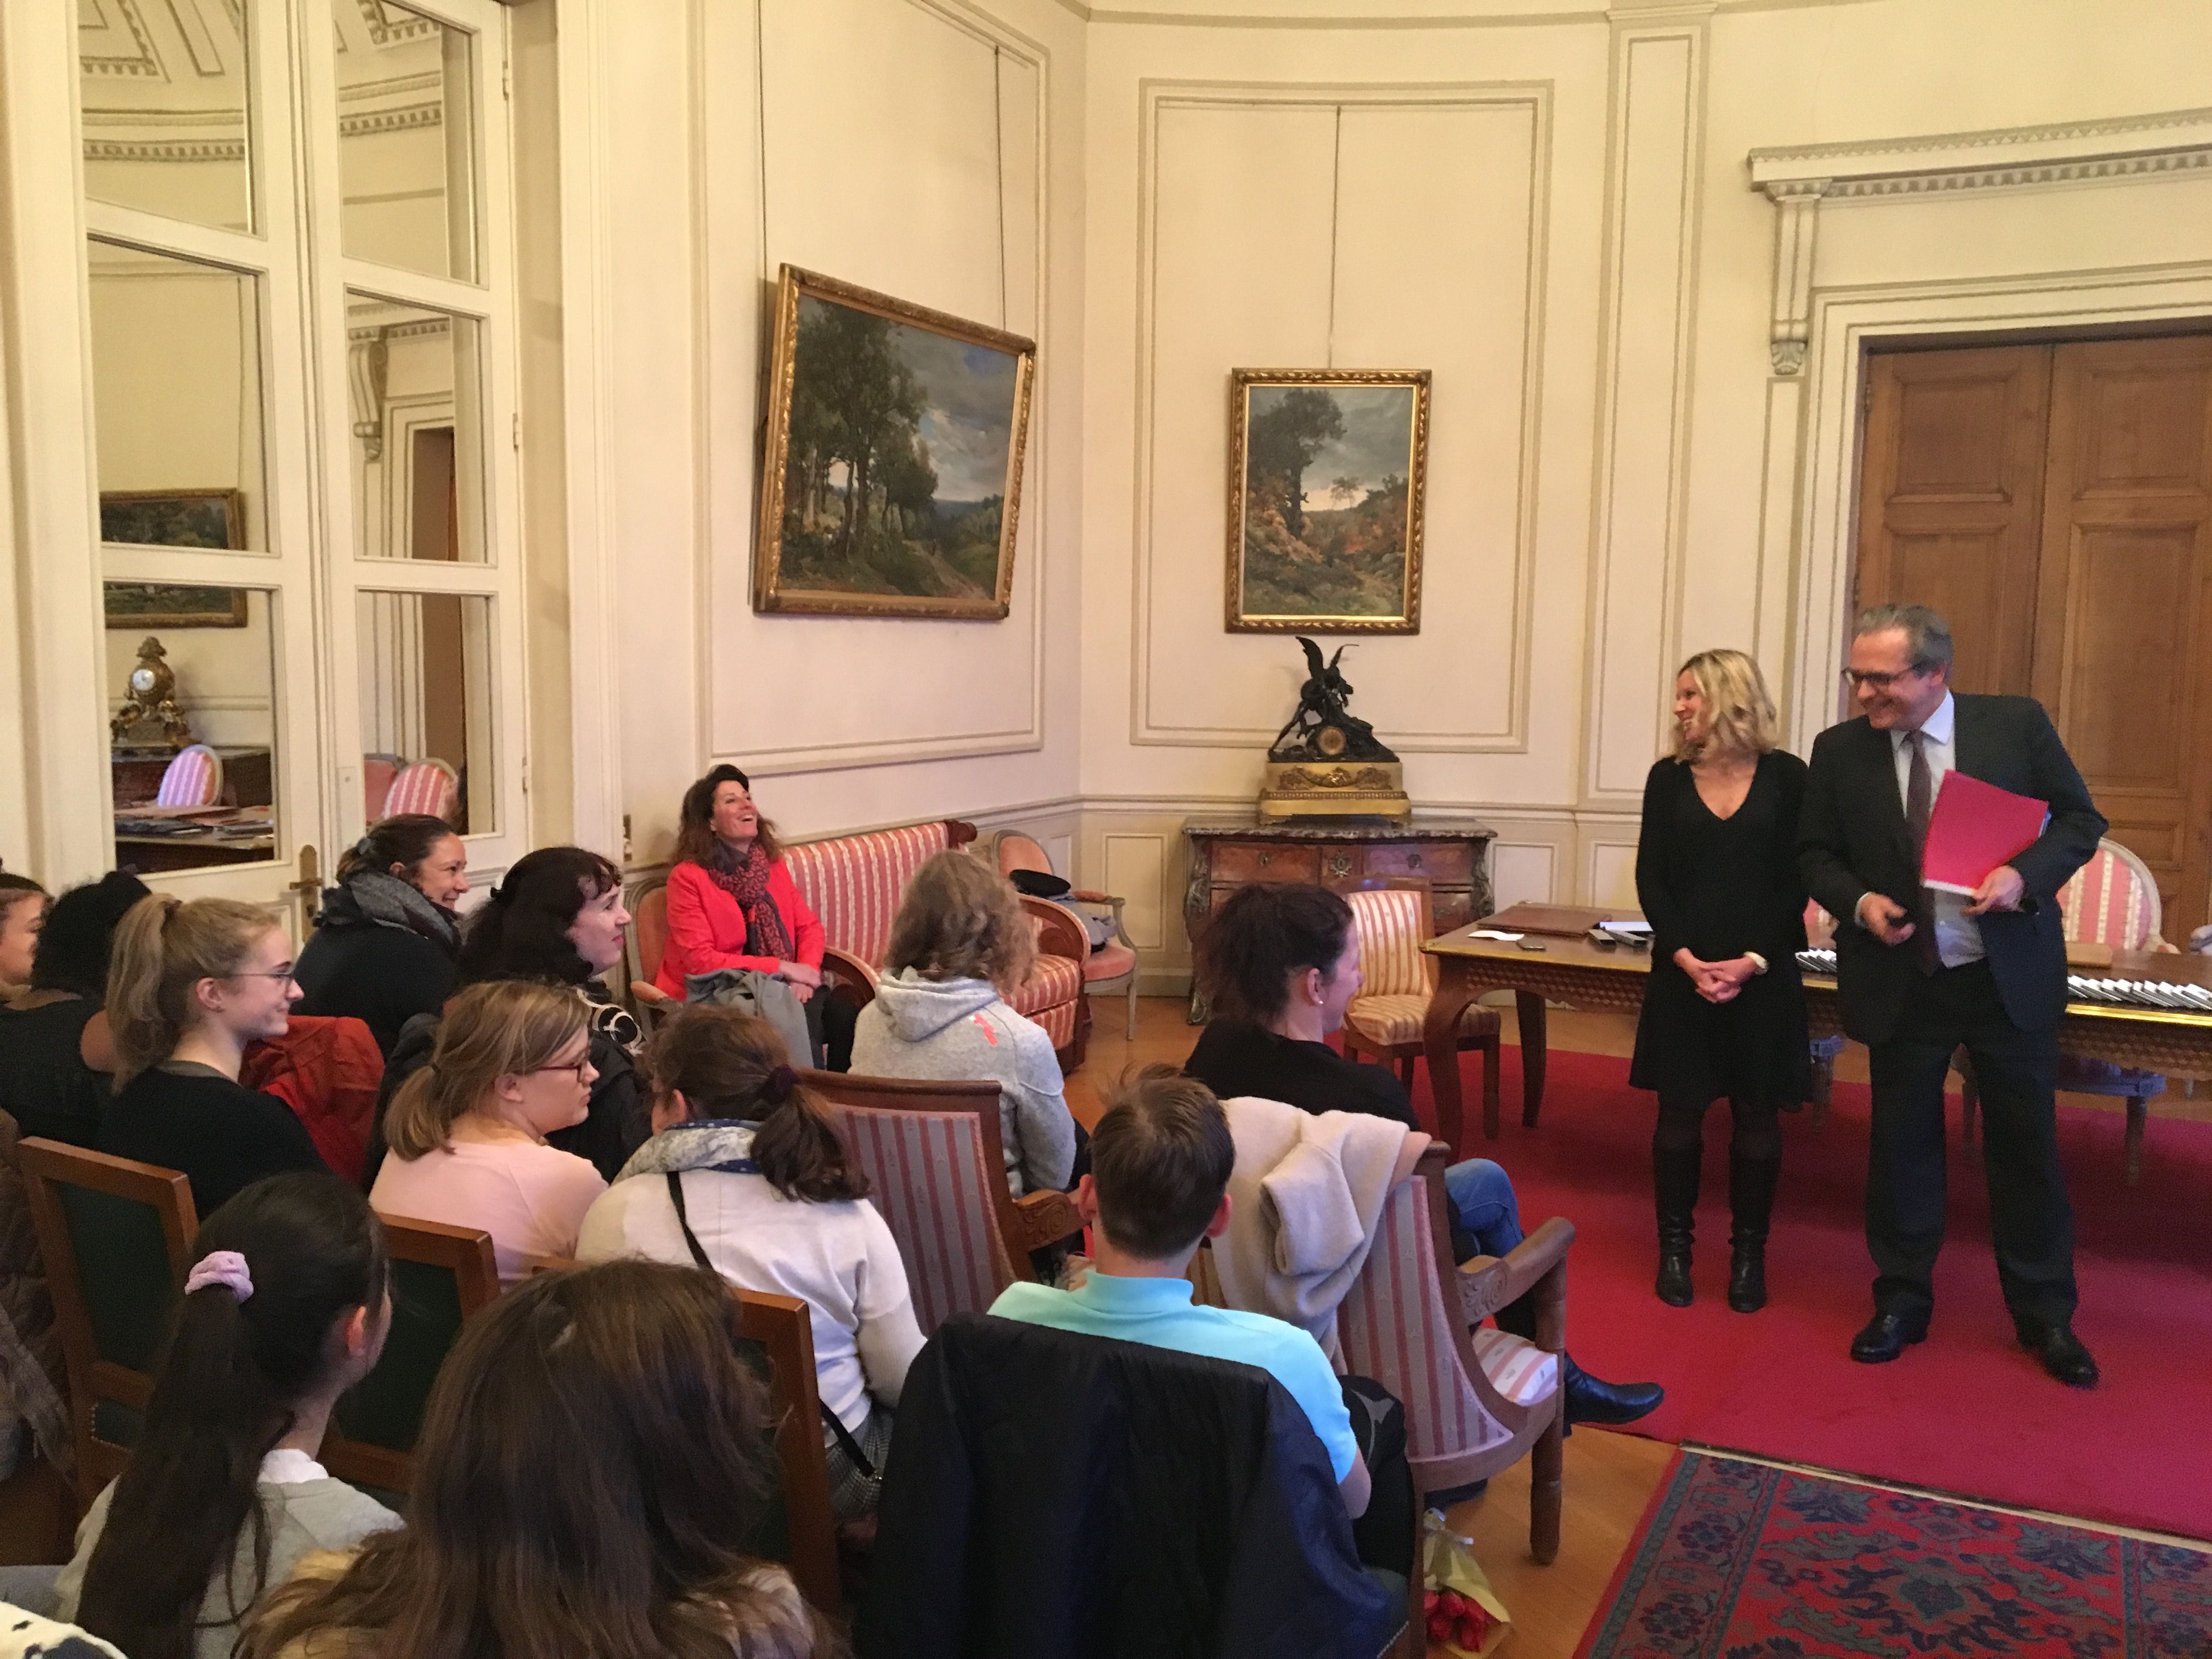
x=174, y=604
x=173, y=518
x=891, y=482
x=1327, y=470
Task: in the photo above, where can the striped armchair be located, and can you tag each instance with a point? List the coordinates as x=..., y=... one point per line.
x=194, y=778
x=426, y=786
x=1391, y=915
x=1477, y=1399
x=855, y=883
x=936, y=1168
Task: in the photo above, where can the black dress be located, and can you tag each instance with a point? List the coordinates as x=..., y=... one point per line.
x=44, y=1080
x=183, y=1115
x=1722, y=887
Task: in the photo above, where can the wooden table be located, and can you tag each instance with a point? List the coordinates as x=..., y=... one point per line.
x=1598, y=980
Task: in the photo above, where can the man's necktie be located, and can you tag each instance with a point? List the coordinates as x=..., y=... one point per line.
x=1919, y=802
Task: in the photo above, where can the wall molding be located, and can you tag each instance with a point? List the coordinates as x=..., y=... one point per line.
x=1156, y=96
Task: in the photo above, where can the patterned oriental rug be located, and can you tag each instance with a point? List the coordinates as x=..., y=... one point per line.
x=1737, y=1560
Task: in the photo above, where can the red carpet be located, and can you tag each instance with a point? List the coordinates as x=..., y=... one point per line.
x=1966, y=1412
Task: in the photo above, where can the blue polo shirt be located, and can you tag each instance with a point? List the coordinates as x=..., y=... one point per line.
x=1159, y=1311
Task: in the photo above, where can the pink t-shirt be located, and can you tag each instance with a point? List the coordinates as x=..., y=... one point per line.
x=531, y=1198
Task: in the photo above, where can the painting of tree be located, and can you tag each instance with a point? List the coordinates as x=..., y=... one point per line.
x=895, y=446
x=1344, y=556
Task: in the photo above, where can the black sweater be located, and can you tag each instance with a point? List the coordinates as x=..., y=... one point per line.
x=44, y=1081
x=222, y=1135
x=1233, y=1058
x=380, y=974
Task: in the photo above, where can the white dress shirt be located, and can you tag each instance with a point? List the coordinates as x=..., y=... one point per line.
x=1958, y=935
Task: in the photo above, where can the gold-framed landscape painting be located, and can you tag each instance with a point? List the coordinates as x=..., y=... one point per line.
x=1327, y=469
x=892, y=480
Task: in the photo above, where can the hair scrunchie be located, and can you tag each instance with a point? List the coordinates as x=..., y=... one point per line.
x=224, y=1267
x=781, y=1081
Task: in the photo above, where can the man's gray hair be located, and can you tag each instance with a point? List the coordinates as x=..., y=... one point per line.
x=1927, y=635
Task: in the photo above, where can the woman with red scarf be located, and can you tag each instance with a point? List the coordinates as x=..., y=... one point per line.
x=732, y=902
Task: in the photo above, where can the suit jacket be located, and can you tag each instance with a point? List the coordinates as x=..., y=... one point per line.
x=1059, y=1496
x=1852, y=839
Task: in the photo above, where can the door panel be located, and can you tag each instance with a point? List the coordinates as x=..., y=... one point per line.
x=2127, y=567
x=1951, y=499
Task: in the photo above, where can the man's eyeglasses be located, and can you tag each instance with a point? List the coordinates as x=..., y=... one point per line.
x=1856, y=678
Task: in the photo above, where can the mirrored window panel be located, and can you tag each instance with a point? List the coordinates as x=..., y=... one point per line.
x=417, y=449
x=426, y=679
x=177, y=400
x=163, y=89
x=192, y=724
x=405, y=129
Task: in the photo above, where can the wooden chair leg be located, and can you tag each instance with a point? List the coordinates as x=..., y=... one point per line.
x=1493, y=1048
x=2138, y=1118
x=1129, y=1030
x=1405, y=1072
x=1548, y=1486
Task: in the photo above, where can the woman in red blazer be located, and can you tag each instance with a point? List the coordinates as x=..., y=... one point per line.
x=732, y=902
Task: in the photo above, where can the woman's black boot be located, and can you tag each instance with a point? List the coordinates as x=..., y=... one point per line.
x=1674, y=1179
x=1751, y=1204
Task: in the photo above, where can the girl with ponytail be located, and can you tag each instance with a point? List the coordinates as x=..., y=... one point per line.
x=745, y=1174
x=286, y=1309
x=189, y=984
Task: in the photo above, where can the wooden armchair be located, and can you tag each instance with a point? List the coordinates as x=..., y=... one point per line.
x=1105, y=967
x=441, y=1277
x=1391, y=915
x=1477, y=1399
x=114, y=1234
x=933, y=1157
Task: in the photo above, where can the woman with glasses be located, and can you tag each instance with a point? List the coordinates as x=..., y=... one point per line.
x=189, y=986
x=467, y=1132
x=1724, y=1012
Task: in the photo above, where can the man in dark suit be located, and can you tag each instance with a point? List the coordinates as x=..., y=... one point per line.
x=1922, y=973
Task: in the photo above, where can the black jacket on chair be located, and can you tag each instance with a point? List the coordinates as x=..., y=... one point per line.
x=1851, y=838
x=1051, y=1494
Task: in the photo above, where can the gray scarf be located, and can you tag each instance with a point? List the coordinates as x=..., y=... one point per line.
x=391, y=902
x=722, y=1143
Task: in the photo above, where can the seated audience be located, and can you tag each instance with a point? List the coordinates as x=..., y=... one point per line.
x=467, y=1135
x=558, y=919
x=286, y=1309
x=54, y=1042
x=1158, y=1184
x=960, y=941
x=190, y=985
x=384, y=945
x=22, y=913
x=1279, y=962
x=594, y=1466
x=746, y=1175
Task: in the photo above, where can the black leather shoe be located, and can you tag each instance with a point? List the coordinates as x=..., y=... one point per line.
x=1673, y=1284
x=2059, y=1351
x=1746, y=1291
x=1887, y=1336
x=1590, y=1400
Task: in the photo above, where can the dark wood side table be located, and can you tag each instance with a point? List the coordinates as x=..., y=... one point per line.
x=1226, y=853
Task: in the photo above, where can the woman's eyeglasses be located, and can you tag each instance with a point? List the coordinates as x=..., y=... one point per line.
x=579, y=1067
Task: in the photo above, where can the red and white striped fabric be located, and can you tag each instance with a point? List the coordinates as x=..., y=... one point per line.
x=1391, y=923
x=426, y=785
x=855, y=883
x=378, y=773
x=1401, y=1018
x=1053, y=981
x=194, y=778
x=1394, y=1325
x=2112, y=900
x=933, y=1192
x=1057, y=1022
x=1520, y=1371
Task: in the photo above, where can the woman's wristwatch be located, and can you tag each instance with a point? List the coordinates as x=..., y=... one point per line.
x=1758, y=962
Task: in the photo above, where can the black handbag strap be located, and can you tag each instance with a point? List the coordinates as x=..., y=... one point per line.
x=846, y=1443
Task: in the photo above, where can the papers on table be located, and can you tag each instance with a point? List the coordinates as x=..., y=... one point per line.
x=1492, y=932
x=2082, y=988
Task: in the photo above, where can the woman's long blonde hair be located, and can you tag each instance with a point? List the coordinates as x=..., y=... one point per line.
x=1740, y=711
x=163, y=947
x=501, y=1028
x=962, y=919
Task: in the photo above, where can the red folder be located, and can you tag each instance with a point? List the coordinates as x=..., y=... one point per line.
x=1973, y=828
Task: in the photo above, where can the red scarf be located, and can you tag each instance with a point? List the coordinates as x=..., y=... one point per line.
x=747, y=883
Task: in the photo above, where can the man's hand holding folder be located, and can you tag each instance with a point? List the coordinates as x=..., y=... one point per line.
x=1974, y=832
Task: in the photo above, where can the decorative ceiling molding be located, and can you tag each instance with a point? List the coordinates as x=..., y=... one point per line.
x=144, y=64
x=230, y=145
x=1798, y=178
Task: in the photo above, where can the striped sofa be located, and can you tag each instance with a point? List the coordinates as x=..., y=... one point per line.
x=855, y=883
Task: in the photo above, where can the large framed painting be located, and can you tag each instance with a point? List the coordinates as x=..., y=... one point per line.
x=1326, y=471
x=173, y=518
x=892, y=478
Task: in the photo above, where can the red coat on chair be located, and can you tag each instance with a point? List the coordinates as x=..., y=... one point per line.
x=707, y=928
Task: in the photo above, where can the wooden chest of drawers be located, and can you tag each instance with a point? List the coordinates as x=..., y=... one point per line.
x=1451, y=854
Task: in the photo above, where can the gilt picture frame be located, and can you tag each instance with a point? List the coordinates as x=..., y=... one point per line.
x=891, y=468
x=1327, y=482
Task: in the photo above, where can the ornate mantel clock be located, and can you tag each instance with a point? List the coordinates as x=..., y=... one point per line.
x=1326, y=762
x=152, y=702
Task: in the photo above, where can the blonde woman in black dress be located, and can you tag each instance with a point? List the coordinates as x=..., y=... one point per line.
x=1724, y=1012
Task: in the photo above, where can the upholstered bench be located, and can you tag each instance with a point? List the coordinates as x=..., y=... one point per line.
x=855, y=883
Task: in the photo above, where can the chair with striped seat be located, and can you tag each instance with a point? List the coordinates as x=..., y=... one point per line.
x=194, y=778
x=424, y=785
x=2110, y=901
x=1477, y=1399
x=1391, y=915
x=1111, y=966
x=854, y=883
x=936, y=1167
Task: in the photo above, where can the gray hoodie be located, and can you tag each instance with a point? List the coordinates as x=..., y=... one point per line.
x=955, y=1030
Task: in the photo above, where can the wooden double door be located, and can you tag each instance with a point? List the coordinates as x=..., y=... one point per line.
x=2054, y=500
